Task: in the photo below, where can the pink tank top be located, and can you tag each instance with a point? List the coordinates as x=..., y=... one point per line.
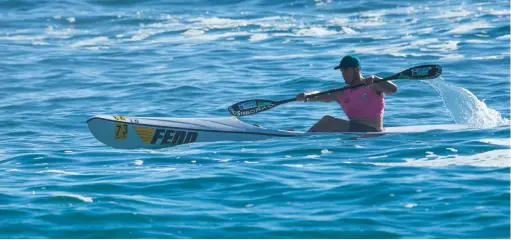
x=362, y=102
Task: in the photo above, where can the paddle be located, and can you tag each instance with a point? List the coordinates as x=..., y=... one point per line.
x=253, y=106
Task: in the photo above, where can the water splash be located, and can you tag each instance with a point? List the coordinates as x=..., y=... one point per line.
x=465, y=107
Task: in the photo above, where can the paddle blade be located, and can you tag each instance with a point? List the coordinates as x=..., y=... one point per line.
x=422, y=72
x=250, y=107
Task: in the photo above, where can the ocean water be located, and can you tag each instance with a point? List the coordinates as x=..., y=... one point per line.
x=62, y=62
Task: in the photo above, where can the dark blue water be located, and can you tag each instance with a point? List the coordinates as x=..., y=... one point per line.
x=62, y=62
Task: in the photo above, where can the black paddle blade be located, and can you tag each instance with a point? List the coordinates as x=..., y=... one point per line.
x=250, y=107
x=422, y=72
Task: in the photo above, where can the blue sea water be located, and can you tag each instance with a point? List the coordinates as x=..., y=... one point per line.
x=62, y=62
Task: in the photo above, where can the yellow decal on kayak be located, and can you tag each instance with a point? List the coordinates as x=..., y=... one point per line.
x=121, y=131
x=146, y=134
x=122, y=118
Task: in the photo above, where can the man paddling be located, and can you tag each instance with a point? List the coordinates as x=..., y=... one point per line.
x=364, y=106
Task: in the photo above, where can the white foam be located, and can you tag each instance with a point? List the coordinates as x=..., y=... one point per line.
x=430, y=154
x=17, y=38
x=496, y=158
x=425, y=30
x=70, y=195
x=248, y=150
x=220, y=23
x=451, y=14
x=249, y=162
x=373, y=14
x=348, y=30
x=213, y=37
x=478, y=41
x=505, y=37
x=426, y=41
x=14, y=170
x=487, y=58
x=60, y=33
x=95, y=48
x=258, y=37
x=452, y=149
x=91, y=42
x=407, y=37
x=388, y=49
x=315, y=32
x=278, y=26
x=365, y=24
x=138, y=162
x=39, y=43
x=294, y=165
x=142, y=34
x=469, y=27
x=312, y=156
x=58, y=172
x=498, y=12
x=501, y=142
x=410, y=205
x=321, y=3
x=326, y=151
x=160, y=27
x=165, y=169
x=224, y=160
x=452, y=57
x=194, y=32
x=71, y=19
x=446, y=46
x=339, y=21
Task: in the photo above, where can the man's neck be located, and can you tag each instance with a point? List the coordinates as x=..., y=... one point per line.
x=356, y=80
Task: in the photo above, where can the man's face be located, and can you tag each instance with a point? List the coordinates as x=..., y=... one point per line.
x=348, y=74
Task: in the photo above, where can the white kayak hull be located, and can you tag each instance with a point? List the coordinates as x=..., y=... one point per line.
x=152, y=133
x=133, y=132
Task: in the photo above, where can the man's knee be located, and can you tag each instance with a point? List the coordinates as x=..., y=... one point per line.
x=327, y=118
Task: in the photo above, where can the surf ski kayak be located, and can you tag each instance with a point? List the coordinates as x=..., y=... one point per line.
x=155, y=132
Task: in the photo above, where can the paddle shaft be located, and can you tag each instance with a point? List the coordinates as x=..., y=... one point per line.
x=334, y=90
